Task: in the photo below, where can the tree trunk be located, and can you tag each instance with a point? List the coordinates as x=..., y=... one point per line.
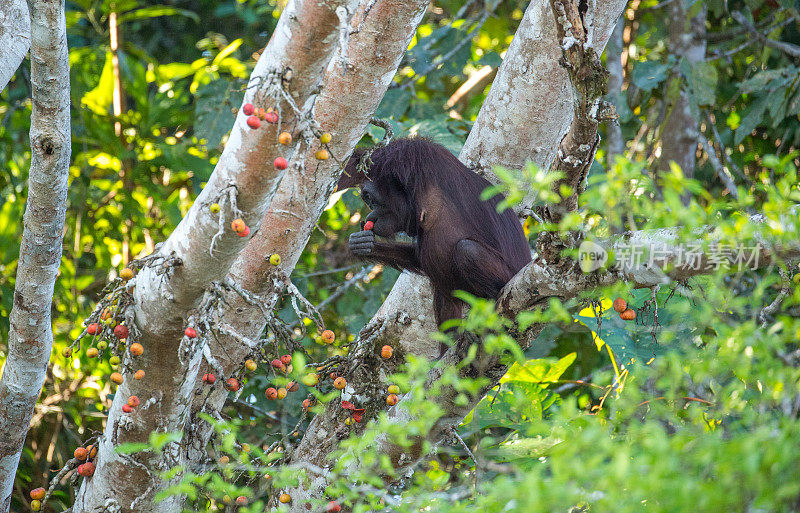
x=15, y=37
x=200, y=251
x=31, y=335
x=527, y=112
x=679, y=133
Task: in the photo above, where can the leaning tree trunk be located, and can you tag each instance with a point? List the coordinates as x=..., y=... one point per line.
x=31, y=336
x=528, y=111
x=351, y=93
x=170, y=286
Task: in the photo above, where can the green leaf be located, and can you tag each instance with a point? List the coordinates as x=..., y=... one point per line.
x=394, y=104
x=155, y=11
x=99, y=99
x=132, y=447
x=703, y=79
x=648, y=75
x=752, y=118
x=213, y=114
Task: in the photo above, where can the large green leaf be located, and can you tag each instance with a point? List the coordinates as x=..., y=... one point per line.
x=213, y=114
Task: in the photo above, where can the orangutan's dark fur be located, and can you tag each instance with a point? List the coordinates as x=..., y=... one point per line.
x=460, y=241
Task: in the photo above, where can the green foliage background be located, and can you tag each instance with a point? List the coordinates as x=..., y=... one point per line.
x=699, y=415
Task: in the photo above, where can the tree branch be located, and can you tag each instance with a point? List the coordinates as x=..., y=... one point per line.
x=15, y=37
x=31, y=335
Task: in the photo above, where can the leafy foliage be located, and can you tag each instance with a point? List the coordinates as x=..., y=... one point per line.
x=696, y=413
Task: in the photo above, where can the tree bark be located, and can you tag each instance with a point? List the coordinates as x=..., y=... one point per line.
x=679, y=131
x=201, y=250
x=615, y=144
x=530, y=85
x=31, y=335
x=344, y=107
x=15, y=37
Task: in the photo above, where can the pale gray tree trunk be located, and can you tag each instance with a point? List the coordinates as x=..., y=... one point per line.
x=615, y=144
x=200, y=251
x=349, y=97
x=15, y=37
x=679, y=132
x=31, y=336
x=528, y=111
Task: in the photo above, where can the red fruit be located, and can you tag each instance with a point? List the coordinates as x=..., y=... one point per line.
x=81, y=453
x=328, y=336
x=333, y=507
x=37, y=494
x=292, y=387
x=92, y=328
x=306, y=404
x=277, y=363
x=272, y=393
x=286, y=359
x=190, y=332
x=628, y=315
x=368, y=226
x=241, y=500
x=232, y=384
x=386, y=352
x=86, y=469
x=209, y=378
x=121, y=331
x=245, y=232
x=280, y=163
x=136, y=349
x=620, y=305
x=127, y=408
x=253, y=122
x=271, y=117
x=248, y=109
x=391, y=399
x=133, y=401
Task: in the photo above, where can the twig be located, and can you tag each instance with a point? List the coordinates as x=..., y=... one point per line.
x=787, y=48
x=723, y=174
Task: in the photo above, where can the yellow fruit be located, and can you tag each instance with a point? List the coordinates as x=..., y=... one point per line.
x=325, y=138
x=393, y=389
x=285, y=498
x=116, y=377
x=339, y=383
x=281, y=393
x=36, y=505
x=126, y=274
x=310, y=380
x=285, y=138
x=92, y=352
x=275, y=259
x=214, y=208
x=250, y=365
x=322, y=154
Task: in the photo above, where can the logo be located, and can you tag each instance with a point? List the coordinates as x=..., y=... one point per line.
x=591, y=256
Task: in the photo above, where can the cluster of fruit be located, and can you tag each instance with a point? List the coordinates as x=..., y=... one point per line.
x=256, y=115
x=625, y=313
